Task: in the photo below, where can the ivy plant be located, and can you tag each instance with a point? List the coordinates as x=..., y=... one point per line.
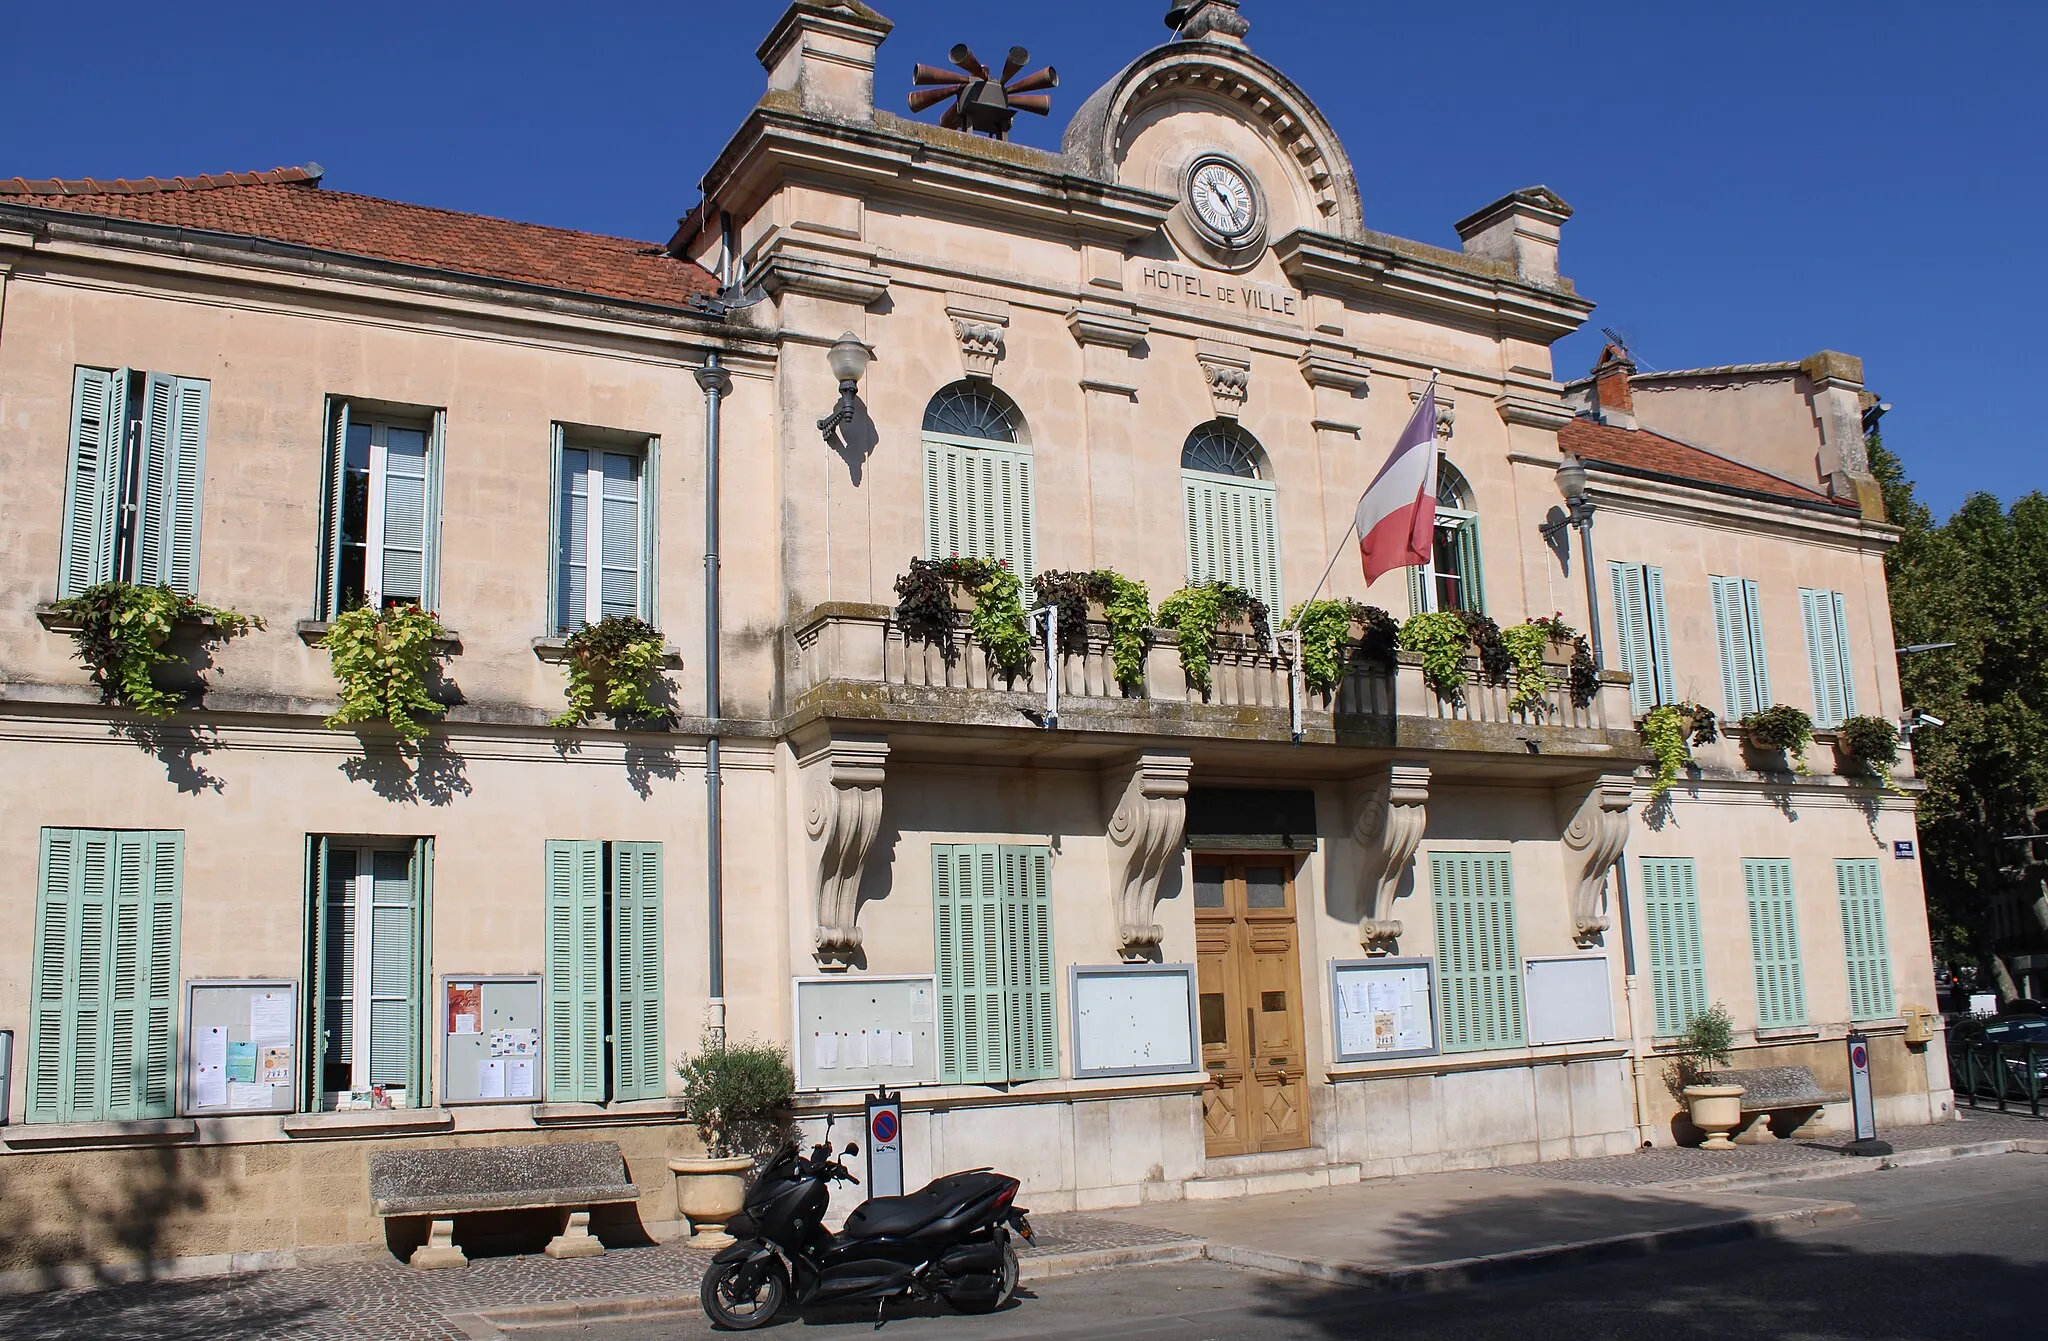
x=924, y=607
x=122, y=629
x=1126, y=608
x=1669, y=730
x=1326, y=642
x=1195, y=613
x=1441, y=638
x=1872, y=741
x=1783, y=727
x=382, y=659
x=1526, y=644
x=614, y=666
x=1583, y=674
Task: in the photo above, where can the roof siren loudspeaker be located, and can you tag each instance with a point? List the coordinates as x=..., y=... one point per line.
x=982, y=103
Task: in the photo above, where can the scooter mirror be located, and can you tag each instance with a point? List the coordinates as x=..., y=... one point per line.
x=852, y=1149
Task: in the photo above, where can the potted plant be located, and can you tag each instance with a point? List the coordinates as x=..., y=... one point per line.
x=1771, y=735
x=1867, y=747
x=928, y=596
x=1670, y=730
x=614, y=667
x=1716, y=1109
x=738, y=1096
x=121, y=633
x=1337, y=633
x=1104, y=594
x=1197, y=614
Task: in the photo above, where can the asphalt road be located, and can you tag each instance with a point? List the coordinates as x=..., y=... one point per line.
x=1951, y=1251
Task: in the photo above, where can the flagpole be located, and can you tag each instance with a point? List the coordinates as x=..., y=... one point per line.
x=1328, y=569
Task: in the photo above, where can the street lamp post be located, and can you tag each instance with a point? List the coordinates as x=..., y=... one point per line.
x=1571, y=483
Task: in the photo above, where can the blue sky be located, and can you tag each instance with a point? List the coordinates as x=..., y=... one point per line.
x=1753, y=181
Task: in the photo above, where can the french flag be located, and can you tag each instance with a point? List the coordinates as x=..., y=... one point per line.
x=1397, y=514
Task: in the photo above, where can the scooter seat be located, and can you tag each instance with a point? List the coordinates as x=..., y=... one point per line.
x=894, y=1217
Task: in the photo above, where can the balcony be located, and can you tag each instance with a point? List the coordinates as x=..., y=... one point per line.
x=855, y=661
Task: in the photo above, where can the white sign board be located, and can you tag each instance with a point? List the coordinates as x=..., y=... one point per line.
x=1133, y=1019
x=1570, y=1000
x=240, y=1046
x=1382, y=1008
x=857, y=1033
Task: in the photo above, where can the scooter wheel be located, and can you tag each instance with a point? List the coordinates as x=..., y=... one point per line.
x=988, y=1301
x=740, y=1307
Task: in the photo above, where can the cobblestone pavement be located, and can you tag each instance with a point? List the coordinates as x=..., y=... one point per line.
x=1647, y=1168
x=387, y=1299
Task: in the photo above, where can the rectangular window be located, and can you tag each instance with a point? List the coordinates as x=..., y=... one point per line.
x=977, y=503
x=1739, y=626
x=604, y=533
x=369, y=916
x=1827, y=656
x=1232, y=535
x=1678, y=960
x=1774, y=944
x=992, y=921
x=604, y=972
x=1479, y=962
x=381, y=508
x=133, y=481
x=1645, y=641
x=1861, y=885
x=103, y=1003
x=1451, y=582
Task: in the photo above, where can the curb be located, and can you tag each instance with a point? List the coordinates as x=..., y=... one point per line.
x=1468, y=1270
x=492, y=1324
x=1850, y=1165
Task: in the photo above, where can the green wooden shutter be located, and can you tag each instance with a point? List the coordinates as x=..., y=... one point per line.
x=1232, y=534
x=639, y=1062
x=1030, y=1010
x=394, y=978
x=169, y=479
x=422, y=873
x=313, y=999
x=142, y=965
x=1861, y=886
x=1660, y=632
x=967, y=919
x=333, y=491
x=65, y=1018
x=1846, y=672
x=978, y=504
x=650, y=533
x=1474, y=586
x=1738, y=625
x=92, y=479
x=1774, y=944
x=1419, y=588
x=430, y=571
x=1753, y=623
x=1678, y=965
x=575, y=972
x=1632, y=622
x=1827, y=656
x=1479, y=966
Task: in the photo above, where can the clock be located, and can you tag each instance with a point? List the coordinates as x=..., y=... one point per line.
x=1223, y=200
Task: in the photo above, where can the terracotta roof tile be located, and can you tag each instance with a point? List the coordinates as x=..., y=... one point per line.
x=287, y=205
x=1653, y=453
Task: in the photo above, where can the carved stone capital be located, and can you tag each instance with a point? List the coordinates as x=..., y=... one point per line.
x=1230, y=380
x=1446, y=403
x=1594, y=828
x=1147, y=801
x=1388, y=813
x=842, y=814
x=980, y=329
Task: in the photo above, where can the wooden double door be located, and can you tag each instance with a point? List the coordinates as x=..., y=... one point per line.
x=1249, y=981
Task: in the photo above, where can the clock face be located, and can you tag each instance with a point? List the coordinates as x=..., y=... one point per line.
x=1222, y=198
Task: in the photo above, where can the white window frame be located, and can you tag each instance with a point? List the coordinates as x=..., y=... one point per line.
x=373, y=520
x=361, y=996
x=644, y=453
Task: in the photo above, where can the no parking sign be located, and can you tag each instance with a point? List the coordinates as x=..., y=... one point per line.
x=885, y=1144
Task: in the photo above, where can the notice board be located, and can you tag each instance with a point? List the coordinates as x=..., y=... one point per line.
x=1133, y=1019
x=1569, y=1000
x=862, y=1032
x=490, y=1039
x=1382, y=1008
x=240, y=1046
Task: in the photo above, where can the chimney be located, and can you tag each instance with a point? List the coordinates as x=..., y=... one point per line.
x=1521, y=229
x=824, y=52
x=1613, y=402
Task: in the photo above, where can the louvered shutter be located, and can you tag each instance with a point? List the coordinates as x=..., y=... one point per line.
x=169, y=481
x=1845, y=670
x=978, y=504
x=1030, y=1009
x=1759, y=664
x=311, y=1052
x=1632, y=622
x=142, y=969
x=1678, y=970
x=333, y=492
x=572, y=530
x=1479, y=970
x=394, y=980
x=338, y=925
x=1232, y=534
x=1864, y=943
x=1827, y=656
x=1774, y=944
x=575, y=972
x=93, y=474
x=1660, y=632
x=430, y=529
x=1473, y=586
x=639, y=1064
x=1420, y=589
x=968, y=925
x=1738, y=625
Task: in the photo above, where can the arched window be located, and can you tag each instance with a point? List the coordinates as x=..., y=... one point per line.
x=1452, y=579
x=1232, y=534
x=977, y=478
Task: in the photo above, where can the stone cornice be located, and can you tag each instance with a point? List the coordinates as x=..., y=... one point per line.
x=1432, y=279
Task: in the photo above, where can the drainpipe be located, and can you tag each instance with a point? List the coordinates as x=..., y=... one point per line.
x=716, y=382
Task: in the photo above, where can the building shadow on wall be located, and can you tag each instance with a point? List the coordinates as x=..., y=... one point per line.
x=106, y=1206
x=179, y=749
x=431, y=773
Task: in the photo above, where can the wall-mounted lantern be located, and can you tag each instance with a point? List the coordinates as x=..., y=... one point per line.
x=848, y=359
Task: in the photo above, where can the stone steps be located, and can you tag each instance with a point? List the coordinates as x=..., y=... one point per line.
x=1271, y=1171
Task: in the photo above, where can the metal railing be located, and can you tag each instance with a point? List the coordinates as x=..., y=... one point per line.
x=2005, y=1073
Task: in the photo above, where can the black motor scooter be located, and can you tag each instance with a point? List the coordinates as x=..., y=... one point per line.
x=950, y=1240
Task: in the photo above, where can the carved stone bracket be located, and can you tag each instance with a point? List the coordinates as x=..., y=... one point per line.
x=1148, y=816
x=842, y=814
x=1446, y=403
x=980, y=329
x=1594, y=830
x=1388, y=815
x=1230, y=380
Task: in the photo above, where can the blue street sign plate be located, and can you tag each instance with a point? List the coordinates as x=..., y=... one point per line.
x=1903, y=849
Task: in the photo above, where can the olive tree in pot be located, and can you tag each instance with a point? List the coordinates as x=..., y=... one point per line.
x=738, y=1096
x=1707, y=1042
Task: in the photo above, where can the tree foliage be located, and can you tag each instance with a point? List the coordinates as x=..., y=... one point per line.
x=1979, y=580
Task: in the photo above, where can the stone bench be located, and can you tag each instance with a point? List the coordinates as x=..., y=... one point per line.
x=1788, y=1096
x=440, y=1184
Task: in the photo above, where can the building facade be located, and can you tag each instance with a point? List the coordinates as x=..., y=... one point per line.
x=249, y=950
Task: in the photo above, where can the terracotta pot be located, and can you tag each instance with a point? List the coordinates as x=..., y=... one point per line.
x=1715, y=1110
x=710, y=1192
x=1763, y=759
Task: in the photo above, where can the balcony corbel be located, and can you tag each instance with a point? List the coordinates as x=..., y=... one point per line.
x=1594, y=828
x=1388, y=815
x=842, y=815
x=1148, y=805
